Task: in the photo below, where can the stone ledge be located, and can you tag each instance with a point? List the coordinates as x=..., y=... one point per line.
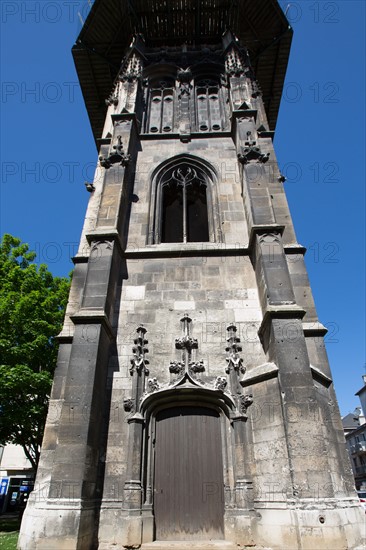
x=184, y=545
x=284, y=311
x=181, y=250
x=105, y=234
x=320, y=376
x=96, y=317
x=192, y=135
x=314, y=329
x=262, y=229
x=260, y=373
x=190, y=545
x=65, y=337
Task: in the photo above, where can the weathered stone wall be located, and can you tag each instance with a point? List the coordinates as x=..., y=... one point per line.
x=220, y=153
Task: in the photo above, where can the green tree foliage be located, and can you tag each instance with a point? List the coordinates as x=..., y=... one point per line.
x=32, y=308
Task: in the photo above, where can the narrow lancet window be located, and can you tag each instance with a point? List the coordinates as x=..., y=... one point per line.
x=161, y=109
x=209, y=116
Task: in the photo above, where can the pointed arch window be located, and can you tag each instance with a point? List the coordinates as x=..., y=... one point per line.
x=184, y=205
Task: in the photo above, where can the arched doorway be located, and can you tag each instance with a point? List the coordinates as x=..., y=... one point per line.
x=189, y=483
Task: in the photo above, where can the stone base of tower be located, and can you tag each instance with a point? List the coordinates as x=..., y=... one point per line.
x=54, y=528
x=314, y=527
x=281, y=526
x=271, y=528
x=191, y=545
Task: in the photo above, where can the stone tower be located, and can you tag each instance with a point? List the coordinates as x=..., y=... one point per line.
x=192, y=399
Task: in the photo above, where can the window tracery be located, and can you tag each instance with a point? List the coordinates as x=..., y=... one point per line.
x=184, y=205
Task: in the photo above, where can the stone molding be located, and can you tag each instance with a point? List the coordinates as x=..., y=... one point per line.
x=169, y=250
x=64, y=338
x=323, y=378
x=93, y=317
x=281, y=311
x=259, y=374
x=116, y=155
x=100, y=235
x=314, y=329
x=263, y=230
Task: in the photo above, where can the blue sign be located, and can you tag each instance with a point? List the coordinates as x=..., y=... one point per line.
x=4, y=485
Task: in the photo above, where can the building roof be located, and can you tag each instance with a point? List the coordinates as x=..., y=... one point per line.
x=351, y=421
x=363, y=389
x=110, y=26
x=358, y=430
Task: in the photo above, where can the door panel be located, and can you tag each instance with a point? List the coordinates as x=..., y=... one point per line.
x=188, y=492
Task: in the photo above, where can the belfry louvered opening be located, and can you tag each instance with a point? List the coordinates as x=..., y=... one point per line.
x=179, y=100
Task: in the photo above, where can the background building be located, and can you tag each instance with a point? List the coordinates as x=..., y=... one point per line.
x=356, y=439
x=16, y=478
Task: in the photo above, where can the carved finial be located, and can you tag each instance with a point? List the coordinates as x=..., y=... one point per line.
x=139, y=362
x=152, y=385
x=176, y=367
x=132, y=68
x=235, y=362
x=256, y=91
x=234, y=63
x=187, y=344
x=141, y=329
x=113, y=98
x=244, y=401
x=186, y=319
x=128, y=404
x=196, y=366
x=220, y=383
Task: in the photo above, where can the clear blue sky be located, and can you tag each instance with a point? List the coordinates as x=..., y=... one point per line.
x=48, y=153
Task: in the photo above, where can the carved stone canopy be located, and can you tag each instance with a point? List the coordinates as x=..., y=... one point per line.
x=187, y=376
x=132, y=67
x=187, y=373
x=117, y=155
x=252, y=152
x=235, y=64
x=113, y=98
x=184, y=77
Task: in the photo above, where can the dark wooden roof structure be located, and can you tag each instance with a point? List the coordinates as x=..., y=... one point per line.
x=110, y=26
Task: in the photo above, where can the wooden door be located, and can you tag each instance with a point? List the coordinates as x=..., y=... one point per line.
x=188, y=487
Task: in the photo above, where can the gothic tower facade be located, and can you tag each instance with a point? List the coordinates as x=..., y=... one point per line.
x=192, y=399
